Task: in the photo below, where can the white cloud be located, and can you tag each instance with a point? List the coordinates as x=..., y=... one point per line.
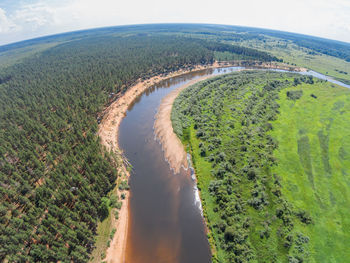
x=6, y=25
x=326, y=18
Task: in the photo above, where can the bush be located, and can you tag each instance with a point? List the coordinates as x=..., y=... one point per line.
x=116, y=214
x=124, y=185
x=294, y=94
x=103, y=209
x=304, y=217
x=113, y=201
x=119, y=205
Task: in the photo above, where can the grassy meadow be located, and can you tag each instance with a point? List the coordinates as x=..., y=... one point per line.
x=304, y=57
x=314, y=163
x=271, y=153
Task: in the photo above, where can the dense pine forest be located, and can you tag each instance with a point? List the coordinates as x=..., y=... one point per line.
x=270, y=165
x=53, y=170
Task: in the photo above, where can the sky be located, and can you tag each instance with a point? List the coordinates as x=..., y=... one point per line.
x=25, y=19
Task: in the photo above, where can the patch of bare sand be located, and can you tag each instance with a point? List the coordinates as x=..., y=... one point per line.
x=116, y=251
x=172, y=146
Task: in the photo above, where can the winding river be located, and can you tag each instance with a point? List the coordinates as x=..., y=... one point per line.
x=165, y=222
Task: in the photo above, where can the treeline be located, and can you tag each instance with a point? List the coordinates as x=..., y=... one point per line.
x=245, y=52
x=53, y=172
x=226, y=123
x=321, y=45
x=325, y=46
x=238, y=34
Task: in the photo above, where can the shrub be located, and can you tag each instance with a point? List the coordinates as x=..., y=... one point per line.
x=294, y=94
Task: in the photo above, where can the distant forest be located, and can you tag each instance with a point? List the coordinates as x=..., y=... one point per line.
x=53, y=170
x=221, y=32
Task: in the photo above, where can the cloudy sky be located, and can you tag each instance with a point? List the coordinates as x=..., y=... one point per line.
x=24, y=19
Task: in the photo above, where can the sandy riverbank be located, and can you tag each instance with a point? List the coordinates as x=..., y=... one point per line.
x=116, y=251
x=172, y=146
x=113, y=115
x=108, y=132
x=173, y=149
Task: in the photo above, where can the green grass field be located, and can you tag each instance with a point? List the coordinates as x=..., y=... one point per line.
x=314, y=164
x=274, y=178
x=303, y=57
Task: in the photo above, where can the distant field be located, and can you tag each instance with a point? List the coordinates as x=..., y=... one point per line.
x=304, y=57
x=272, y=167
x=314, y=161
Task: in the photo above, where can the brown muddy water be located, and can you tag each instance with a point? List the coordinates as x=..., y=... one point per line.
x=165, y=221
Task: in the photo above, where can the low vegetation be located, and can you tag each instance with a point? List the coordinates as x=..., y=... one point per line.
x=293, y=54
x=313, y=161
x=239, y=130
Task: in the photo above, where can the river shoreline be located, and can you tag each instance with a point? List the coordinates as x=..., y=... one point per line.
x=109, y=131
x=172, y=146
x=174, y=151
